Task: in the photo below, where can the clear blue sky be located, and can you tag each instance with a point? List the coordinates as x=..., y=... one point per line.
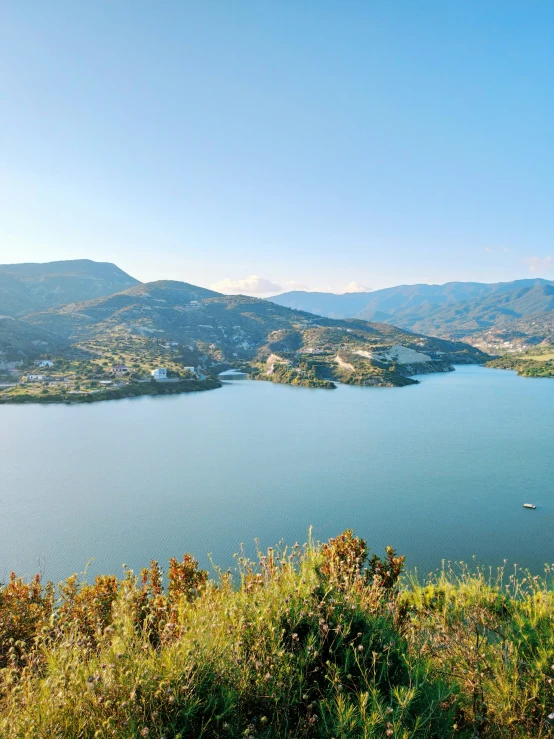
x=302, y=141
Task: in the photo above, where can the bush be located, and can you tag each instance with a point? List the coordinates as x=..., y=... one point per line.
x=319, y=641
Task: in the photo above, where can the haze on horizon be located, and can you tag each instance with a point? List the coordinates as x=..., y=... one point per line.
x=262, y=147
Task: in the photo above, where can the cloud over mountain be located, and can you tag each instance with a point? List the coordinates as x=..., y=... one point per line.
x=251, y=285
x=356, y=287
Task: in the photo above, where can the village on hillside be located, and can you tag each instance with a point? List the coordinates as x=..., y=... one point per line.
x=98, y=367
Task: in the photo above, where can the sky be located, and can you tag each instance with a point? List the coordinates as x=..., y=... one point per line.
x=258, y=146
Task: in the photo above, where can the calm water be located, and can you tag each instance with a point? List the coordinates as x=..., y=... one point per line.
x=438, y=470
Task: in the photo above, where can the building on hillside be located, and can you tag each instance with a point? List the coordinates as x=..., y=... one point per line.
x=190, y=369
x=44, y=363
x=34, y=378
x=159, y=374
x=120, y=369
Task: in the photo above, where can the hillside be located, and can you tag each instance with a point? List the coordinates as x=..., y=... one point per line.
x=27, y=288
x=317, y=641
x=20, y=341
x=519, y=317
x=222, y=329
x=486, y=315
x=535, y=362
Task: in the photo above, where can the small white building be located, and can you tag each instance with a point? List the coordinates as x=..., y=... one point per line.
x=160, y=373
x=120, y=369
x=34, y=378
x=189, y=369
x=44, y=363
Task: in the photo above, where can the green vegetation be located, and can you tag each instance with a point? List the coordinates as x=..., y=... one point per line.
x=535, y=362
x=494, y=317
x=80, y=376
x=321, y=641
x=175, y=325
x=126, y=390
x=286, y=374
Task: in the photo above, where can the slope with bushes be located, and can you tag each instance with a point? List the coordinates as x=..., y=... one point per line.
x=319, y=641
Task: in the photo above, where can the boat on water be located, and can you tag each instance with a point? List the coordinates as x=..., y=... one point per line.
x=529, y=505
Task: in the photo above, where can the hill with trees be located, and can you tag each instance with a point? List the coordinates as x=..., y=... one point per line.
x=27, y=288
x=490, y=316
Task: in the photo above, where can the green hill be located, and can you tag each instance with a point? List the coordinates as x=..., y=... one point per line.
x=222, y=329
x=536, y=362
x=27, y=288
x=490, y=316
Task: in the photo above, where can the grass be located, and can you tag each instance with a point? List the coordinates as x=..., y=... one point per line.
x=540, y=357
x=315, y=641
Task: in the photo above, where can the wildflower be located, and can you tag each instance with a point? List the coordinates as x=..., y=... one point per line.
x=360, y=647
x=145, y=731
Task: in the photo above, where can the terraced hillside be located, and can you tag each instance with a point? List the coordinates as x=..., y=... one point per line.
x=258, y=335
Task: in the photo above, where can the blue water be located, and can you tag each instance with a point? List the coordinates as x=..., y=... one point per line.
x=439, y=470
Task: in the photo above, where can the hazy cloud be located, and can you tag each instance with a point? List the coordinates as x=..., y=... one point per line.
x=356, y=287
x=251, y=285
x=540, y=264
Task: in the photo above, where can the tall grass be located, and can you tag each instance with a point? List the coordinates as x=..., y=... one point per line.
x=315, y=641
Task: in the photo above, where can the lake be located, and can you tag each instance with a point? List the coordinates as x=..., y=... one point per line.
x=439, y=470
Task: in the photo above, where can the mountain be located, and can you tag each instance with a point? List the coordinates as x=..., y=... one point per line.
x=392, y=301
x=275, y=341
x=28, y=288
x=469, y=311
x=494, y=310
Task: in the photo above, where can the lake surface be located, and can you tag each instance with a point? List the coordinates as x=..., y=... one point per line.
x=439, y=470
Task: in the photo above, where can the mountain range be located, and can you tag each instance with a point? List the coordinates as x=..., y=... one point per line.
x=494, y=317
x=217, y=329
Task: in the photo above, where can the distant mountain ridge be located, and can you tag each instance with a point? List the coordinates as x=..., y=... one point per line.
x=32, y=287
x=479, y=313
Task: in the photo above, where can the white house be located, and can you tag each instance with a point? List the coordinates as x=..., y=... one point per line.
x=35, y=378
x=44, y=363
x=120, y=369
x=160, y=373
x=189, y=369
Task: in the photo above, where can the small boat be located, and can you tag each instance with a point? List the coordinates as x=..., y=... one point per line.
x=529, y=505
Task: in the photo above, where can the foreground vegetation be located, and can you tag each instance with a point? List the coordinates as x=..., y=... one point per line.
x=319, y=641
x=536, y=362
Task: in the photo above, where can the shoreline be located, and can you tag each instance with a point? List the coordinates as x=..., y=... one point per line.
x=136, y=390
